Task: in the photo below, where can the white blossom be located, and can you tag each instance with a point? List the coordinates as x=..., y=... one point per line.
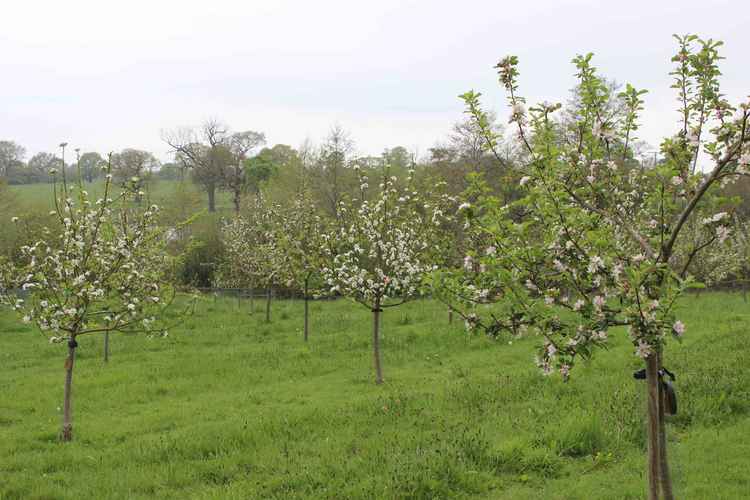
x=679, y=328
x=643, y=349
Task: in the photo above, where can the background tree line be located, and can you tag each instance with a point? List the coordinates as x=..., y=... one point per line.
x=215, y=172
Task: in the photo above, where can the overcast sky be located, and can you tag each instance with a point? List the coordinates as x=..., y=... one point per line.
x=105, y=75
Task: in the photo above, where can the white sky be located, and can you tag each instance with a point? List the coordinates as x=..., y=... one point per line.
x=105, y=75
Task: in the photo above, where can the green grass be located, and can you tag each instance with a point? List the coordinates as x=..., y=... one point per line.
x=230, y=407
x=38, y=198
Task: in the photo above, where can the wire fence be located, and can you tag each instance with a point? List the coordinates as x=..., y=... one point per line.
x=260, y=293
x=256, y=300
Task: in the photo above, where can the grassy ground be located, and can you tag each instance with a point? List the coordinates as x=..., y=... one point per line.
x=230, y=407
x=38, y=197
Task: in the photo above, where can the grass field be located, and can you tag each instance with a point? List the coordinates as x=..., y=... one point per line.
x=38, y=197
x=230, y=407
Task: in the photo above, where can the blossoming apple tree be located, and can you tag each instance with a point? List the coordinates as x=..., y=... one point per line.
x=593, y=243
x=301, y=238
x=722, y=237
x=253, y=253
x=383, y=248
x=102, y=274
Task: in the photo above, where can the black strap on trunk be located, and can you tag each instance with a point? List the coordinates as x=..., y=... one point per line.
x=667, y=388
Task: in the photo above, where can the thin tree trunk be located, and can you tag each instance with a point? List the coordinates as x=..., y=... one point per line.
x=66, y=434
x=268, y=305
x=450, y=315
x=252, y=300
x=211, y=198
x=307, y=309
x=652, y=382
x=376, y=341
x=237, y=201
x=106, y=346
x=666, y=478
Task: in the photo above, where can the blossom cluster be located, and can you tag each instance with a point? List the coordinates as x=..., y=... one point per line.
x=99, y=268
x=384, y=247
x=599, y=241
x=253, y=254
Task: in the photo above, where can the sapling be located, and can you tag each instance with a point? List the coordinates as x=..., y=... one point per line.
x=101, y=274
x=253, y=254
x=383, y=248
x=595, y=243
x=301, y=240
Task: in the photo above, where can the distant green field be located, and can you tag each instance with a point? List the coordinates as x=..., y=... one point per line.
x=228, y=407
x=38, y=197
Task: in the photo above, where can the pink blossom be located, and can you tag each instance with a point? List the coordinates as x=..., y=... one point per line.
x=679, y=328
x=643, y=350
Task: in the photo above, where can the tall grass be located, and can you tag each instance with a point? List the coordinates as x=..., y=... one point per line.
x=228, y=406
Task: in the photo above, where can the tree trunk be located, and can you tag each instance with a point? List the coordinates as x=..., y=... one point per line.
x=654, y=455
x=211, y=198
x=66, y=434
x=236, y=201
x=376, y=341
x=307, y=309
x=666, y=478
x=268, y=305
x=252, y=300
x=450, y=315
x=106, y=346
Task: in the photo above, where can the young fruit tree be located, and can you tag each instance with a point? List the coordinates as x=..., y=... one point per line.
x=741, y=249
x=102, y=274
x=235, y=269
x=302, y=241
x=253, y=253
x=383, y=248
x=724, y=260
x=592, y=244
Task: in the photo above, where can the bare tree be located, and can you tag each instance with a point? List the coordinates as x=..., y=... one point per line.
x=467, y=140
x=235, y=179
x=331, y=172
x=134, y=167
x=206, y=152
